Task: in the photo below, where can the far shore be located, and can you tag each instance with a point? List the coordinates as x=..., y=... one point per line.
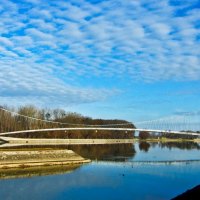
x=10, y=141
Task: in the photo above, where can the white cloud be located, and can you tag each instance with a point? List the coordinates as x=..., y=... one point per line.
x=161, y=29
x=5, y=41
x=36, y=86
x=49, y=44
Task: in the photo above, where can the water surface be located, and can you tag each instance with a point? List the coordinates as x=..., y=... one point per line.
x=123, y=171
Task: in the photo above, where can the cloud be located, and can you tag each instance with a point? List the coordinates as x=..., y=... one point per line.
x=46, y=47
x=36, y=86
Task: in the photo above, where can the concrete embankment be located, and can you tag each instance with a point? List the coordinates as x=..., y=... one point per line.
x=24, y=159
x=27, y=141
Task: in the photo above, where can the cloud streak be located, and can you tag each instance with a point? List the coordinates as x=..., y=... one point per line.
x=45, y=47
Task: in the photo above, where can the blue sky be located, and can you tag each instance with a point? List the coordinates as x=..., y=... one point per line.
x=127, y=59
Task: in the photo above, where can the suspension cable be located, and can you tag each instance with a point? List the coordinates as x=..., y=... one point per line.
x=63, y=123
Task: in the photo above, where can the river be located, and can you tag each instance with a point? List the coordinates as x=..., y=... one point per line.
x=123, y=171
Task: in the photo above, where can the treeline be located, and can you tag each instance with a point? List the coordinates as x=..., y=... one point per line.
x=177, y=136
x=57, y=118
x=149, y=135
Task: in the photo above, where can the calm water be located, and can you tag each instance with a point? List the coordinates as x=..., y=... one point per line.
x=138, y=171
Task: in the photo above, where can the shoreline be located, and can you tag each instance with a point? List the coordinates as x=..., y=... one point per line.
x=22, y=141
x=10, y=141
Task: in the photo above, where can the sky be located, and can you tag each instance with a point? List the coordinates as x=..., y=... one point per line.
x=120, y=59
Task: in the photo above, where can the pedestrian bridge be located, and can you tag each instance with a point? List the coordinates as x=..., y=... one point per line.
x=185, y=125
x=99, y=129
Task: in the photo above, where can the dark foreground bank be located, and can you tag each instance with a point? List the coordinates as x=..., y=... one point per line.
x=193, y=194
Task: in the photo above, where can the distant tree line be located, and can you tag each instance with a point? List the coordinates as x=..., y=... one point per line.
x=177, y=136
x=12, y=122
x=143, y=135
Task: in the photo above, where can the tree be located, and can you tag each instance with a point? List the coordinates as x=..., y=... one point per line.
x=47, y=116
x=31, y=117
x=144, y=146
x=144, y=135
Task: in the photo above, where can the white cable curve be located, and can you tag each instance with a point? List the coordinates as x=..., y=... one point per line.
x=61, y=123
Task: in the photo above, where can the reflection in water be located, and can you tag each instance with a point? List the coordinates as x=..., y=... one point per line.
x=99, y=180
x=144, y=146
x=151, y=163
x=156, y=171
x=36, y=171
x=115, y=152
x=124, y=152
x=180, y=145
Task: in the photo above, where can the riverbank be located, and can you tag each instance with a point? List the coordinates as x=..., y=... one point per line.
x=28, y=141
x=11, y=141
x=26, y=159
x=193, y=193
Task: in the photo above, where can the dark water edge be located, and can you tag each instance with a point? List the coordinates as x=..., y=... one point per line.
x=138, y=171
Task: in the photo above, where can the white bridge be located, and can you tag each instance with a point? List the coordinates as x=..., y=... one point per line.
x=187, y=124
x=99, y=129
